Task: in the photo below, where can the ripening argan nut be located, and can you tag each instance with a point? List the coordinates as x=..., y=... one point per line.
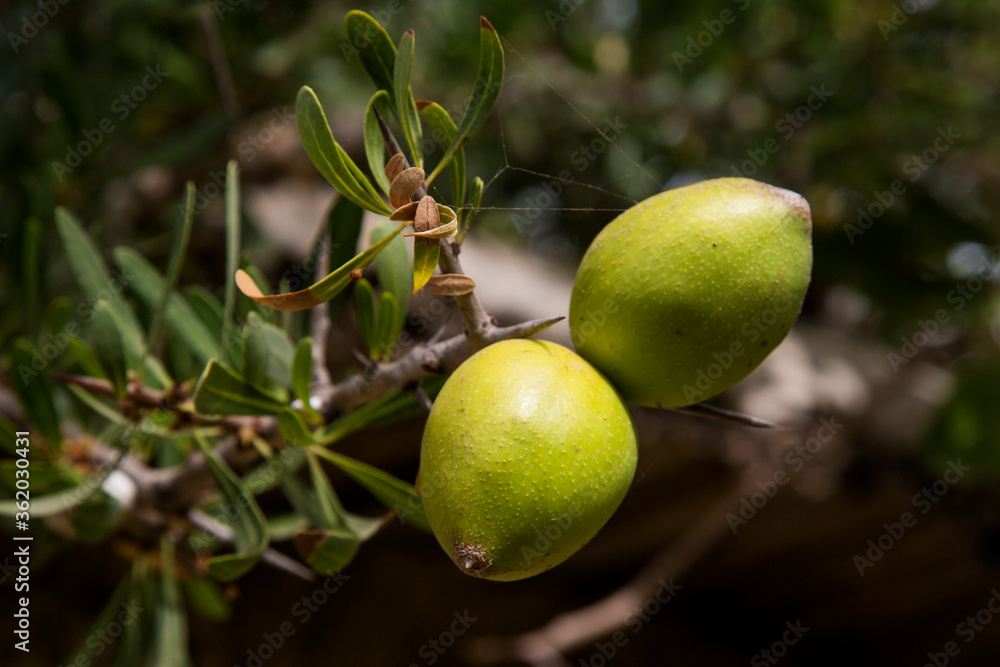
x=527, y=452
x=685, y=293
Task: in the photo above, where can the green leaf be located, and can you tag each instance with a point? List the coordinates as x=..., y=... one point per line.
x=378, y=54
x=394, y=276
x=108, y=346
x=34, y=388
x=344, y=224
x=173, y=271
x=293, y=428
x=327, y=551
x=92, y=274
x=364, y=313
x=220, y=391
x=444, y=127
x=119, y=602
x=389, y=408
x=425, y=259
x=406, y=111
x=179, y=316
x=302, y=364
x=32, y=261
x=208, y=308
x=63, y=501
x=489, y=80
x=331, y=160
x=207, y=599
x=267, y=354
x=232, y=252
x=395, y=494
x=247, y=519
x=384, y=337
x=466, y=214
x=170, y=646
x=85, y=357
x=333, y=514
x=322, y=291
x=374, y=142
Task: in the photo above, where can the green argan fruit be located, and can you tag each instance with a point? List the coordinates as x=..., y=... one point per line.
x=527, y=452
x=685, y=293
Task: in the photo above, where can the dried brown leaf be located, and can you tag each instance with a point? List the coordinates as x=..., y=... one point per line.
x=404, y=186
x=451, y=284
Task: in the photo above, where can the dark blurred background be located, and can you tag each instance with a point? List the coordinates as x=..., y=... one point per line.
x=883, y=115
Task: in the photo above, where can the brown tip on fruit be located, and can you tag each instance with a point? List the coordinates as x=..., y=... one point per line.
x=472, y=558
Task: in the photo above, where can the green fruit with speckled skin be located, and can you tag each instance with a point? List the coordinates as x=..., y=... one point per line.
x=685, y=293
x=527, y=452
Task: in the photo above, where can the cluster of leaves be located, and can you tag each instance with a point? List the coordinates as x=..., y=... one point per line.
x=173, y=375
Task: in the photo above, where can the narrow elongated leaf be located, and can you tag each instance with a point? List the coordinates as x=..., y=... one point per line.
x=267, y=355
x=395, y=494
x=170, y=646
x=467, y=212
x=209, y=309
x=108, y=346
x=32, y=260
x=120, y=601
x=394, y=274
x=344, y=224
x=179, y=316
x=302, y=364
x=85, y=356
x=247, y=519
x=389, y=408
x=293, y=428
x=232, y=252
x=377, y=52
x=327, y=551
x=322, y=291
x=425, y=260
x=489, y=80
x=406, y=111
x=173, y=269
x=331, y=160
x=374, y=142
x=364, y=313
x=444, y=130
x=35, y=391
x=384, y=337
x=221, y=391
x=92, y=274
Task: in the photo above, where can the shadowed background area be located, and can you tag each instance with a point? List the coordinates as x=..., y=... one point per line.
x=866, y=532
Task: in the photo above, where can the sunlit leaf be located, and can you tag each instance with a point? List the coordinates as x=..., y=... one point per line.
x=374, y=142
x=425, y=260
x=406, y=111
x=378, y=53
x=444, y=130
x=232, y=253
x=489, y=80
x=322, y=291
x=328, y=156
x=394, y=277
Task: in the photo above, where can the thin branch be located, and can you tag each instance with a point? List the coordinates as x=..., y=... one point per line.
x=421, y=362
x=729, y=416
x=475, y=319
